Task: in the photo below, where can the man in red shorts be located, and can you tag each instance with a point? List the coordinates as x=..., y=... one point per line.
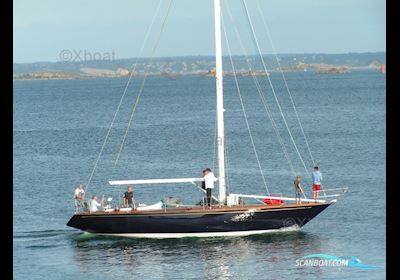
x=317, y=178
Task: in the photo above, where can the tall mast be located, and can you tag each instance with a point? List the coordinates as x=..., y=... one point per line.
x=220, y=102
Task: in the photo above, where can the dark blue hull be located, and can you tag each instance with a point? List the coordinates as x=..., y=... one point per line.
x=187, y=221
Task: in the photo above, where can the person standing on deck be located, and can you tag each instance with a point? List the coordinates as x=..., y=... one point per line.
x=209, y=180
x=298, y=189
x=317, y=178
x=79, y=196
x=129, y=200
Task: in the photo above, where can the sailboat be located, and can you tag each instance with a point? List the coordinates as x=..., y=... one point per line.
x=230, y=217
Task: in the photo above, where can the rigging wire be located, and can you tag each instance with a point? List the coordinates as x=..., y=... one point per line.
x=262, y=95
x=275, y=127
x=285, y=82
x=272, y=87
x=243, y=108
x=143, y=83
x=133, y=67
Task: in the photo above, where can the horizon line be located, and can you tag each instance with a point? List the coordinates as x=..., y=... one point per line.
x=181, y=56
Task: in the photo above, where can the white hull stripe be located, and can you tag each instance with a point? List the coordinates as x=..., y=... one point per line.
x=201, y=234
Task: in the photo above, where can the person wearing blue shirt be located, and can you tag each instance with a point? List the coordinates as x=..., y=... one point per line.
x=317, y=178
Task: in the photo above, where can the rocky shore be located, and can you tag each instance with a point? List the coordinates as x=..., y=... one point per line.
x=174, y=67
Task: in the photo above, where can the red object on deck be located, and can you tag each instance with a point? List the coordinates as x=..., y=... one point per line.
x=383, y=68
x=271, y=201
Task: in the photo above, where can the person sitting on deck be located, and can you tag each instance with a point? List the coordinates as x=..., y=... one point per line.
x=94, y=205
x=129, y=200
x=79, y=196
x=298, y=189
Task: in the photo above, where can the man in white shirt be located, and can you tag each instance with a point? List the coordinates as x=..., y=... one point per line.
x=94, y=205
x=79, y=196
x=209, y=180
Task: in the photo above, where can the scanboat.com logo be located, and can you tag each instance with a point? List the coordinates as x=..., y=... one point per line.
x=328, y=260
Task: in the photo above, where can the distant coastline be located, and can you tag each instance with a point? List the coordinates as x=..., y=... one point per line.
x=200, y=66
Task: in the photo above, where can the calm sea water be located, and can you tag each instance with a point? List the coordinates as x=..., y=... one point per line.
x=59, y=127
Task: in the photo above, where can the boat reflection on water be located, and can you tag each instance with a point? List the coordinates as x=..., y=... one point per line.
x=215, y=258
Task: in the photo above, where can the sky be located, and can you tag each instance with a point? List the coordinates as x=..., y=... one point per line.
x=45, y=30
